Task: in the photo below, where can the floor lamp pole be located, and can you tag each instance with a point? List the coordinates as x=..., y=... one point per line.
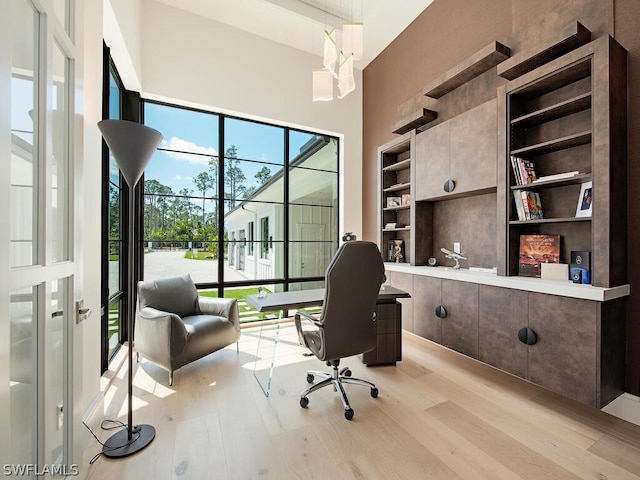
x=132, y=145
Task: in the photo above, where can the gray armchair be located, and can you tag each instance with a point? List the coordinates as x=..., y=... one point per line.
x=175, y=326
x=347, y=322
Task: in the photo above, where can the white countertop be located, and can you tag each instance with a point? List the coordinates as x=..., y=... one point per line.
x=564, y=288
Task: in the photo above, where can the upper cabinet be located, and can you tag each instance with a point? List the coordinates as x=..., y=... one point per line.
x=458, y=157
x=566, y=121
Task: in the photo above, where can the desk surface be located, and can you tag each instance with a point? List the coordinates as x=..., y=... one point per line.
x=311, y=298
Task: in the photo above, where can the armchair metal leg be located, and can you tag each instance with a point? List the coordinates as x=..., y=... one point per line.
x=170, y=378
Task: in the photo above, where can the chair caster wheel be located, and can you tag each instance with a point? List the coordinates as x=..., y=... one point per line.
x=310, y=378
x=348, y=414
x=347, y=373
x=374, y=392
x=304, y=401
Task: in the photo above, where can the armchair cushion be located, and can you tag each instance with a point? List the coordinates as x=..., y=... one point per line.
x=183, y=300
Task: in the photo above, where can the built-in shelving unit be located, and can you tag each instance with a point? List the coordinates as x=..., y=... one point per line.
x=562, y=117
x=395, y=164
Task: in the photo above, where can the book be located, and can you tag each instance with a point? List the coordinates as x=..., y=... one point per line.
x=535, y=250
x=523, y=170
x=557, y=176
x=519, y=208
x=528, y=205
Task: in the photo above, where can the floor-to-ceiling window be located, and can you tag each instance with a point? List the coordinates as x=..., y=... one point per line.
x=238, y=204
x=113, y=248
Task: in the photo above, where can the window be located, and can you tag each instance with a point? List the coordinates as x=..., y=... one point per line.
x=219, y=184
x=264, y=236
x=251, y=238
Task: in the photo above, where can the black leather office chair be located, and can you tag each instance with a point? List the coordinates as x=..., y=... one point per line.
x=347, y=322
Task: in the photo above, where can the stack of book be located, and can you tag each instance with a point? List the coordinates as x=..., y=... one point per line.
x=528, y=205
x=523, y=171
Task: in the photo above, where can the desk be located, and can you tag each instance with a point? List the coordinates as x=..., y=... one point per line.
x=388, y=322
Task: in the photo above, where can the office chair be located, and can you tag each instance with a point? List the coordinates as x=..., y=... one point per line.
x=346, y=325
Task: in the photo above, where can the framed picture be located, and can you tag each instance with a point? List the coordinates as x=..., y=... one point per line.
x=406, y=198
x=393, y=202
x=585, y=200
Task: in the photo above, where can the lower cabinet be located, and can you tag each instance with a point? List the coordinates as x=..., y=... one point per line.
x=446, y=312
x=571, y=346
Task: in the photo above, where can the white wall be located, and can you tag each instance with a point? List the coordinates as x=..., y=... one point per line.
x=198, y=62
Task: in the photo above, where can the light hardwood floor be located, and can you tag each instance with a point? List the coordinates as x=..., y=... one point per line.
x=439, y=415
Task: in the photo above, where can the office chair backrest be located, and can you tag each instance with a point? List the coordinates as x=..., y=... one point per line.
x=352, y=284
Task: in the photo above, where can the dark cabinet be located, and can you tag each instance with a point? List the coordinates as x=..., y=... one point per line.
x=463, y=149
x=502, y=312
x=403, y=281
x=446, y=312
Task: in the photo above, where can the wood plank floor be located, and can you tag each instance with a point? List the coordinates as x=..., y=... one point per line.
x=439, y=415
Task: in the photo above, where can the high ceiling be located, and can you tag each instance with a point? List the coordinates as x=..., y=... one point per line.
x=300, y=23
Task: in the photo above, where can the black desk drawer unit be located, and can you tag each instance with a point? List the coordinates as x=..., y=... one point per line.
x=389, y=328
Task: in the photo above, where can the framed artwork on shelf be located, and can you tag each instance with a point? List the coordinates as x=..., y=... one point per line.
x=585, y=200
x=393, y=202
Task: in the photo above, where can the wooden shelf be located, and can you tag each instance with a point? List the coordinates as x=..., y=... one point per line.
x=415, y=120
x=393, y=209
x=553, y=112
x=398, y=187
x=554, y=145
x=566, y=39
x=550, y=220
x=474, y=66
x=398, y=165
x=398, y=229
x=579, y=178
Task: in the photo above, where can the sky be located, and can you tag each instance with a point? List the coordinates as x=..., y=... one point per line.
x=197, y=132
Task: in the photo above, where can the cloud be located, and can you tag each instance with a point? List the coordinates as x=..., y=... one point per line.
x=182, y=146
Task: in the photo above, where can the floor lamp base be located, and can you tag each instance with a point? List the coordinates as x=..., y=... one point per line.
x=119, y=446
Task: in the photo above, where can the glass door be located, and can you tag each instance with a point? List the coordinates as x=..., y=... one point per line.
x=38, y=264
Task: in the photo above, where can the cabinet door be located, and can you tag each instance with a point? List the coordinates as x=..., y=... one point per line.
x=473, y=149
x=460, y=327
x=564, y=359
x=501, y=313
x=427, y=296
x=432, y=161
x=404, y=281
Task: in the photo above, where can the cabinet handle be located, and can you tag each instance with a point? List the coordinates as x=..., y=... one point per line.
x=449, y=186
x=441, y=312
x=528, y=336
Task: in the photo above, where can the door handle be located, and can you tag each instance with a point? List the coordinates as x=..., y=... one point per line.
x=82, y=313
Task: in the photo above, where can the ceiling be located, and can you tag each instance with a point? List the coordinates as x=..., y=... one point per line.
x=300, y=23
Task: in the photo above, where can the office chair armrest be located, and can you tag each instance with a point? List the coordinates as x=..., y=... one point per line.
x=298, y=322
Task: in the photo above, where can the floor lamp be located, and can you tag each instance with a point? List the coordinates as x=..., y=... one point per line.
x=132, y=146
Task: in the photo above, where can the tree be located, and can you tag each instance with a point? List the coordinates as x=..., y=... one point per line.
x=263, y=175
x=233, y=176
x=204, y=182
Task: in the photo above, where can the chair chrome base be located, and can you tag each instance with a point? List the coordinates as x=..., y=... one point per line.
x=335, y=378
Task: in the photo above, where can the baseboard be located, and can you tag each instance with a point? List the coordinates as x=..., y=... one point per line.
x=93, y=416
x=626, y=407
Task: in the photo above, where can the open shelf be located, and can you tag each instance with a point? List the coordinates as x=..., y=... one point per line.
x=472, y=67
x=393, y=209
x=398, y=166
x=554, y=145
x=579, y=178
x=550, y=220
x=565, y=40
x=573, y=105
x=397, y=187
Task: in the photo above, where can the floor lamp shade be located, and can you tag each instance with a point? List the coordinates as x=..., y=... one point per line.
x=132, y=145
